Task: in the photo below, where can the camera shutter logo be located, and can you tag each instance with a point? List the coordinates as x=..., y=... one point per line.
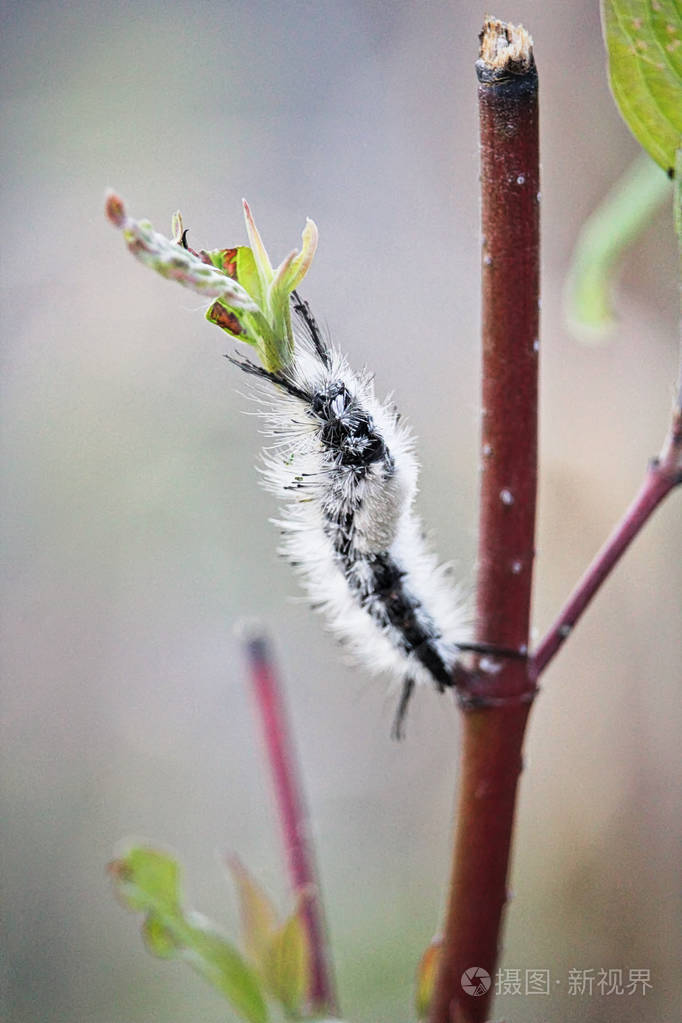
x=476, y=981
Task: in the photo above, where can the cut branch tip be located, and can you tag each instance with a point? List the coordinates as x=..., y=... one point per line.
x=505, y=48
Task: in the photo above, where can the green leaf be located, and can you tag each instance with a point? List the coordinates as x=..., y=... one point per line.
x=665, y=22
x=644, y=45
x=287, y=972
x=219, y=962
x=159, y=939
x=274, y=287
x=247, y=274
x=278, y=951
x=225, y=260
x=603, y=240
x=259, y=918
x=243, y=325
x=148, y=880
x=239, y=264
x=261, y=258
x=293, y=269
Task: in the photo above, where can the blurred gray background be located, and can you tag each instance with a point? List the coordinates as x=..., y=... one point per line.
x=136, y=534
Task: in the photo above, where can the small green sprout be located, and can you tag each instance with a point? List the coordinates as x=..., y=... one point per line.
x=275, y=963
x=250, y=298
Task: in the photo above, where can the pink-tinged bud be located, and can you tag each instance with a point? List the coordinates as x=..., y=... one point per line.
x=115, y=210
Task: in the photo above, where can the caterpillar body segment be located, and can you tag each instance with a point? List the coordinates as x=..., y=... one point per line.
x=343, y=466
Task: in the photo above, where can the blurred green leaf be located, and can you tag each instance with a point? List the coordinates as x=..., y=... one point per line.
x=279, y=951
x=644, y=43
x=287, y=973
x=149, y=880
x=158, y=938
x=426, y=977
x=603, y=240
x=259, y=918
x=219, y=962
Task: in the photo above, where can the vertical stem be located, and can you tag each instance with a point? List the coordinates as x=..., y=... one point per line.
x=499, y=694
x=511, y=247
x=490, y=767
x=293, y=816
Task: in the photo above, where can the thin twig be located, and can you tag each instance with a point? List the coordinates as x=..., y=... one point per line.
x=663, y=474
x=281, y=753
x=497, y=695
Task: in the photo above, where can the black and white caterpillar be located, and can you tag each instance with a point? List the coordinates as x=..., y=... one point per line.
x=340, y=460
x=343, y=463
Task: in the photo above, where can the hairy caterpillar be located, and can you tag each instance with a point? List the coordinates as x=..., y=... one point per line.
x=340, y=460
x=343, y=464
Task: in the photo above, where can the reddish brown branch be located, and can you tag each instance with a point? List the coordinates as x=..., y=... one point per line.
x=663, y=474
x=510, y=222
x=499, y=693
x=293, y=817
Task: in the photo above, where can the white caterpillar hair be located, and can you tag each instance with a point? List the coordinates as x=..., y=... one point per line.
x=343, y=464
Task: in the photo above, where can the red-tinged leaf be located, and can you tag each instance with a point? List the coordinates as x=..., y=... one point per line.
x=225, y=260
x=226, y=319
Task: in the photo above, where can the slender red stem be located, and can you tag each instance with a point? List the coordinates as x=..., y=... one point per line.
x=498, y=694
x=662, y=476
x=293, y=817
